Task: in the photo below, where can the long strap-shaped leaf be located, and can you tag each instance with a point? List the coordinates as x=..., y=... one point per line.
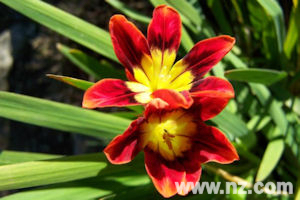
x=38, y=173
x=60, y=116
x=92, y=188
x=66, y=24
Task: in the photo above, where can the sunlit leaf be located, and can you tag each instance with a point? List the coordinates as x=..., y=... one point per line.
x=231, y=124
x=60, y=116
x=12, y=157
x=59, y=170
x=78, y=83
x=87, y=189
x=272, y=105
x=255, y=75
x=273, y=9
x=270, y=159
x=128, y=11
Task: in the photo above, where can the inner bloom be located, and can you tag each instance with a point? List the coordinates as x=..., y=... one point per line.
x=158, y=73
x=170, y=134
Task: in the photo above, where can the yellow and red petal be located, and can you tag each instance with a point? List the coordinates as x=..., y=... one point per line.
x=211, y=95
x=211, y=145
x=203, y=56
x=109, y=92
x=123, y=148
x=173, y=98
x=129, y=43
x=164, y=34
x=164, y=174
x=164, y=31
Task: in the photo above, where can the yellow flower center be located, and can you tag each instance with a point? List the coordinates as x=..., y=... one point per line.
x=159, y=72
x=170, y=134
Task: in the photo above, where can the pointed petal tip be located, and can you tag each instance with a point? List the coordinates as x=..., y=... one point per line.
x=229, y=38
x=128, y=41
x=114, y=162
x=123, y=148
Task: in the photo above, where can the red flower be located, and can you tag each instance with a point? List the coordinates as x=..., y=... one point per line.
x=149, y=67
x=175, y=142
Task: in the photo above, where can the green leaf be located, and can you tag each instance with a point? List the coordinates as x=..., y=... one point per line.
x=187, y=10
x=87, y=189
x=66, y=24
x=293, y=31
x=272, y=105
x=78, y=83
x=273, y=9
x=12, y=157
x=45, y=172
x=89, y=64
x=220, y=16
x=258, y=122
x=126, y=114
x=128, y=11
x=270, y=159
x=60, y=116
x=297, y=196
x=263, y=76
x=231, y=124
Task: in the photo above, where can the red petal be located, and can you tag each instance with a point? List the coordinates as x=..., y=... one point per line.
x=163, y=173
x=211, y=145
x=129, y=43
x=123, y=148
x=206, y=53
x=164, y=31
x=130, y=75
x=192, y=172
x=211, y=95
x=173, y=98
x=108, y=92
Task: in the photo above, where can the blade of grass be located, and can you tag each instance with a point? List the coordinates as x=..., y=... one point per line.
x=86, y=189
x=64, y=169
x=255, y=75
x=12, y=157
x=128, y=11
x=273, y=106
x=293, y=32
x=273, y=9
x=78, y=83
x=187, y=10
x=60, y=116
x=231, y=124
x=270, y=159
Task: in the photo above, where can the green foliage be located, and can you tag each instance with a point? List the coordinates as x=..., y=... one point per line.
x=91, y=66
x=270, y=159
x=263, y=76
x=262, y=121
x=80, y=84
x=60, y=116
